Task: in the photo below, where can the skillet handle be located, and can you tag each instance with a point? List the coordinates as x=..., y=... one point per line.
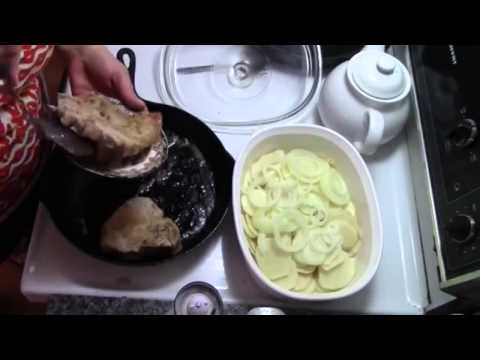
x=127, y=56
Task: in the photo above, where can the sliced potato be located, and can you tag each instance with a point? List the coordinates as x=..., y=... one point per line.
x=274, y=158
x=246, y=205
x=289, y=198
x=310, y=289
x=286, y=174
x=310, y=257
x=271, y=262
x=347, y=233
x=252, y=246
x=258, y=197
x=334, y=260
x=339, y=277
x=272, y=174
x=273, y=267
x=356, y=248
x=346, y=225
x=306, y=166
x=342, y=214
x=247, y=181
x=262, y=221
x=305, y=269
x=256, y=170
x=303, y=282
x=247, y=228
x=290, y=243
x=350, y=208
x=334, y=187
x=288, y=282
x=288, y=220
x=319, y=289
x=264, y=243
x=314, y=206
x=274, y=195
x=323, y=240
x=297, y=214
x=249, y=224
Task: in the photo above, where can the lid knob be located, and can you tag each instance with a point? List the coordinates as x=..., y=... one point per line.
x=379, y=75
x=386, y=65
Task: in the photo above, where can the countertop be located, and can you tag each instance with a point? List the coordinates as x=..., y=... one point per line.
x=85, y=305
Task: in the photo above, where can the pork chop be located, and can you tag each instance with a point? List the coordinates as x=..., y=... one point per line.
x=137, y=225
x=117, y=132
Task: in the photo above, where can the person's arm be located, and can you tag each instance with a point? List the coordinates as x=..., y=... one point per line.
x=93, y=68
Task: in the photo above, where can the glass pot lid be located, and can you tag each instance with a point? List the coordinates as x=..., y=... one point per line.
x=240, y=85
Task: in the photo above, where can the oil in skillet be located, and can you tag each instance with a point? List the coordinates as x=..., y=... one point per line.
x=184, y=187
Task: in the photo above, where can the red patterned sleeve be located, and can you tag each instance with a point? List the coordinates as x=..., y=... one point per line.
x=20, y=147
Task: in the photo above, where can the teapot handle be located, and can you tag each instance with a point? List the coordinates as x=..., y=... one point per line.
x=375, y=125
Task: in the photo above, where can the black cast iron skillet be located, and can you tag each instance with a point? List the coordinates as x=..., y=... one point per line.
x=80, y=202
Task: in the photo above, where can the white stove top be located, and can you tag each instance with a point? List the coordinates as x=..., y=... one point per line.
x=55, y=267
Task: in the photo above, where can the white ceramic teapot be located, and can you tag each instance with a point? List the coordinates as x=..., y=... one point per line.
x=367, y=99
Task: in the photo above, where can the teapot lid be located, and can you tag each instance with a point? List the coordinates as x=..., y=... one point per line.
x=379, y=75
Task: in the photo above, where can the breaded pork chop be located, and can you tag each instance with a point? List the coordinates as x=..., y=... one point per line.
x=117, y=132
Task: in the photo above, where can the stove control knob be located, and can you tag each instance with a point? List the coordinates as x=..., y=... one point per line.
x=461, y=228
x=464, y=134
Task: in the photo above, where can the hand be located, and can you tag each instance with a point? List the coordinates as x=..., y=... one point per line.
x=93, y=68
x=9, y=60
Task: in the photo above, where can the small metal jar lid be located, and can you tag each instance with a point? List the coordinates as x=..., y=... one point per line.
x=198, y=298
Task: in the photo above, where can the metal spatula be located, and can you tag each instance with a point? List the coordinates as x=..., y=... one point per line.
x=49, y=125
x=65, y=138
